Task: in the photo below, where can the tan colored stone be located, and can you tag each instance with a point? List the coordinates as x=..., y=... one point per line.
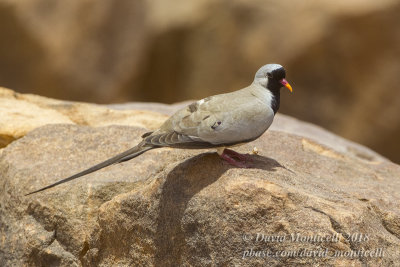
x=19, y=109
x=173, y=207
x=19, y=117
x=23, y=113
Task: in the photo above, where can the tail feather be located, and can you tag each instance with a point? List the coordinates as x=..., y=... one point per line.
x=124, y=156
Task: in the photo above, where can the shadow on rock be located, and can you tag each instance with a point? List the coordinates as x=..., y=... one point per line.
x=182, y=183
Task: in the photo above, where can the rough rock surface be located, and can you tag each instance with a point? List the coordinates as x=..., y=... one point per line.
x=173, y=207
x=21, y=113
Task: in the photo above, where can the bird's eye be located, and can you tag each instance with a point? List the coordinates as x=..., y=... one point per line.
x=269, y=75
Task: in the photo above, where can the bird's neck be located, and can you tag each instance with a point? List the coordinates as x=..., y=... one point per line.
x=275, y=89
x=276, y=100
x=270, y=97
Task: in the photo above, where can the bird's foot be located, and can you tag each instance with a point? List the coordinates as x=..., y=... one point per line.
x=230, y=155
x=239, y=156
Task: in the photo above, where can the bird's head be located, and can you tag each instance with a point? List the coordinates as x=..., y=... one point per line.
x=272, y=77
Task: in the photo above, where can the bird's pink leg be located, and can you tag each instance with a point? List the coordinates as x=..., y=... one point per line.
x=232, y=153
x=229, y=155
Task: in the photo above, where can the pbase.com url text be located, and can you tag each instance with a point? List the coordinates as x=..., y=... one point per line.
x=319, y=253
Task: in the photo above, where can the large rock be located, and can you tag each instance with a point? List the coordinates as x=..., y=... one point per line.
x=340, y=55
x=173, y=207
x=22, y=113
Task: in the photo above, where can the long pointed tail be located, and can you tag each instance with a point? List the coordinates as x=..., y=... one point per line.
x=124, y=156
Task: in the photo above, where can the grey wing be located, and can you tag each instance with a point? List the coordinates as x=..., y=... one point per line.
x=182, y=128
x=211, y=122
x=175, y=139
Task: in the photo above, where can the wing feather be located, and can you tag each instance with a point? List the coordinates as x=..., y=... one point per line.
x=222, y=119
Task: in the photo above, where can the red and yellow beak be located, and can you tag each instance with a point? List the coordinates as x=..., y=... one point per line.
x=286, y=84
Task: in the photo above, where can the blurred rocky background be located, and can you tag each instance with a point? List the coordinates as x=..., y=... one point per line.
x=342, y=57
